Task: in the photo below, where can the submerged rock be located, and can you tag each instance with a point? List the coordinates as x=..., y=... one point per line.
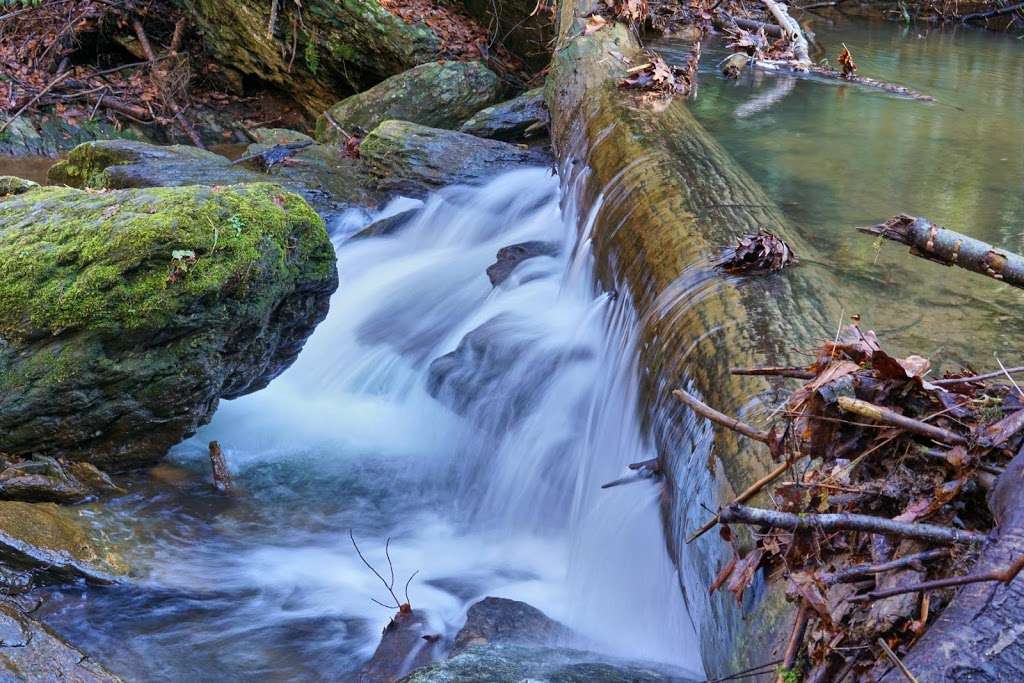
x=29, y=651
x=441, y=95
x=509, y=258
x=386, y=226
x=340, y=46
x=503, y=663
x=413, y=159
x=511, y=120
x=407, y=644
x=125, y=316
x=499, y=620
x=42, y=538
x=322, y=174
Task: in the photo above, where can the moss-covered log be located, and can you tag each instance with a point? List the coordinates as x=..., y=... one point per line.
x=337, y=47
x=665, y=200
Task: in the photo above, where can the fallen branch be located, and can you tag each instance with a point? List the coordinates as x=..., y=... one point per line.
x=891, y=417
x=976, y=378
x=848, y=522
x=1004, y=576
x=851, y=574
x=732, y=423
x=792, y=31
x=999, y=11
x=896, y=660
x=795, y=373
x=796, y=640
x=60, y=77
x=176, y=110
x=749, y=493
x=951, y=248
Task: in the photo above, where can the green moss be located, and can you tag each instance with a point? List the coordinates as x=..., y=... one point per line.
x=78, y=260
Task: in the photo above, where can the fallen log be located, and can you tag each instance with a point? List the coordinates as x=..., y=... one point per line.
x=951, y=248
x=979, y=636
x=791, y=30
x=664, y=201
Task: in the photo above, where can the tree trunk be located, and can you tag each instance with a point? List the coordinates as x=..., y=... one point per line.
x=664, y=202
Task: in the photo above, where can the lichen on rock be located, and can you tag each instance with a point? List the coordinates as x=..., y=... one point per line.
x=440, y=95
x=126, y=315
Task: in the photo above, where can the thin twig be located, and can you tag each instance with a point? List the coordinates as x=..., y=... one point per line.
x=60, y=77
x=1004, y=575
x=390, y=587
x=896, y=660
x=976, y=378
x=795, y=373
x=742, y=498
x=732, y=423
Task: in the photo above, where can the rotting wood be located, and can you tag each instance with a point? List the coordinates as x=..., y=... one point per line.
x=931, y=533
x=951, y=248
x=221, y=475
x=888, y=416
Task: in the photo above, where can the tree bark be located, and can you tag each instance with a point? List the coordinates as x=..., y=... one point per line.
x=951, y=248
x=980, y=635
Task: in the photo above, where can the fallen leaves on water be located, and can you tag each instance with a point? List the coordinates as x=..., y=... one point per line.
x=846, y=61
x=657, y=76
x=760, y=252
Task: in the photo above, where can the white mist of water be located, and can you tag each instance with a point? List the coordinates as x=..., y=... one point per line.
x=490, y=488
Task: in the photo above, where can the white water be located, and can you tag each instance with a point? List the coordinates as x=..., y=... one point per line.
x=502, y=500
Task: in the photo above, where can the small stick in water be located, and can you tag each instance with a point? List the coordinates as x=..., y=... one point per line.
x=221, y=476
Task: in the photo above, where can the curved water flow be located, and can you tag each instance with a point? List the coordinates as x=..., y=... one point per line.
x=480, y=456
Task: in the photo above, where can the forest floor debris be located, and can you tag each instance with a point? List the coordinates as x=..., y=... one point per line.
x=877, y=509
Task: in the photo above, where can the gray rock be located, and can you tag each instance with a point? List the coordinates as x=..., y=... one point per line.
x=499, y=620
x=511, y=119
x=10, y=184
x=126, y=315
x=500, y=663
x=509, y=258
x=49, y=135
x=29, y=651
x=322, y=174
x=413, y=159
x=440, y=95
x=385, y=226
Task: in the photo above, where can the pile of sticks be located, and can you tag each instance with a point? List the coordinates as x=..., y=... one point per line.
x=877, y=509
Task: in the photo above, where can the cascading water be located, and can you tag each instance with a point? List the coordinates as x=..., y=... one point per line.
x=471, y=424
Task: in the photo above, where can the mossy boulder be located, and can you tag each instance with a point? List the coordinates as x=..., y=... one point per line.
x=512, y=120
x=413, y=159
x=126, y=315
x=440, y=95
x=337, y=46
x=10, y=184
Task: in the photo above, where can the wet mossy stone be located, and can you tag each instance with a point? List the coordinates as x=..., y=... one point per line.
x=440, y=95
x=414, y=160
x=126, y=315
x=10, y=184
x=512, y=120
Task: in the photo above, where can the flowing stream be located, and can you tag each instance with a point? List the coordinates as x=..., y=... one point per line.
x=496, y=495
x=484, y=467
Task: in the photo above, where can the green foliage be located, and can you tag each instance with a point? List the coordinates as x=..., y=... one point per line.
x=312, y=53
x=789, y=675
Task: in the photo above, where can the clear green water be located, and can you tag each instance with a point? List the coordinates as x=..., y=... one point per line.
x=835, y=156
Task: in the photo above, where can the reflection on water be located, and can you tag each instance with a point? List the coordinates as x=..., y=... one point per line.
x=29, y=168
x=835, y=156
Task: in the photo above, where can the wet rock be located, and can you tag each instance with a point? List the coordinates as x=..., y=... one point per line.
x=10, y=184
x=29, y=651
x=43, y=479
x=49, y=135
x=440, y=95
x=407, y=644
x=121, y=164
x=322, y=174
x=125, y=316
x=511, y=120
x=413, y=159
x=499, y=620
x=43, y=539
x=386, y=226
x=468, y=379
x=502, y=663
x=341, y=46
x=511, y=256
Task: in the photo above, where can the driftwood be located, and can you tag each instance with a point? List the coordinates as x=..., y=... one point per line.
x=979, y=636
x=890, y=417
x=951, y=248
x=791, y=30
x=221, y=475
x=930, y=533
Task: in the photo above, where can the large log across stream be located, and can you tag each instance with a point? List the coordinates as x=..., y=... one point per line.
x=665, y=200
